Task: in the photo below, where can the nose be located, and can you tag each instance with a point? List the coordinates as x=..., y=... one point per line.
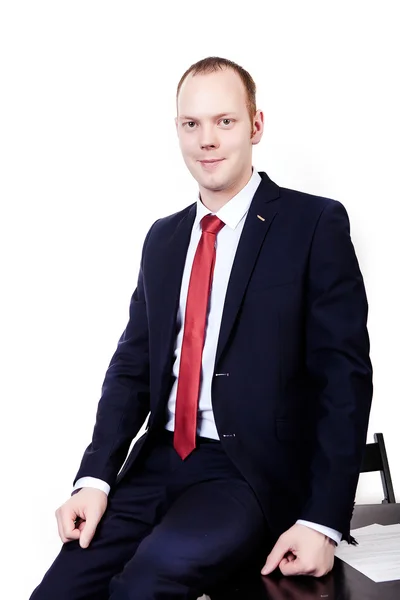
x=208, y=138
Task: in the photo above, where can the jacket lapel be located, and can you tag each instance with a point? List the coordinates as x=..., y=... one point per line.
x=173, y=263
x=170, y=285
x=254, y=231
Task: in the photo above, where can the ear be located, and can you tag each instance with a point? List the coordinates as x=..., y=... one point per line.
x=258, y=127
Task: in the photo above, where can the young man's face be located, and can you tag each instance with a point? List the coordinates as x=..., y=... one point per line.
x=213, y=122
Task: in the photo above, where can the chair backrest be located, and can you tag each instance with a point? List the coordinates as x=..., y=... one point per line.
x=375, y=459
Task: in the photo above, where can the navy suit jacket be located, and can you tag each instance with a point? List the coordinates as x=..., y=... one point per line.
x=292, y=410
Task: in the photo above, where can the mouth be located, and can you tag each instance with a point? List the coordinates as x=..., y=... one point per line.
x=211, y=163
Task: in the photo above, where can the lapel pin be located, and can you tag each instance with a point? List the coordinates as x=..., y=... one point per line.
x=261, y=218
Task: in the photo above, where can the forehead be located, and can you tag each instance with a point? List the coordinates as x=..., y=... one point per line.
x=213, y=93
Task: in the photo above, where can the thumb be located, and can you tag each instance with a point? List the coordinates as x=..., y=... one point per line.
x=275, y=556
x=88, y=530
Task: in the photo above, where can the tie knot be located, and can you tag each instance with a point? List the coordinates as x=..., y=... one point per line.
x=211, y=224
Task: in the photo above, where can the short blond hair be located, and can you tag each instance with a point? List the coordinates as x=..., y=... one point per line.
x=213, y=63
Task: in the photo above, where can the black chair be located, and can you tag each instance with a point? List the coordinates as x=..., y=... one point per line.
x=375, y=459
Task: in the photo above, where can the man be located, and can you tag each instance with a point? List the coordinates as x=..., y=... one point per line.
x=247, y=344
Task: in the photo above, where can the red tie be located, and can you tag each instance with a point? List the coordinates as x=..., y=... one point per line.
x=193, y=337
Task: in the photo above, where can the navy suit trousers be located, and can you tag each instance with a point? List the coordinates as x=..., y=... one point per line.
x=172, y=529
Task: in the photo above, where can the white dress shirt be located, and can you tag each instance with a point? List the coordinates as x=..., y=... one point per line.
x=233, y=214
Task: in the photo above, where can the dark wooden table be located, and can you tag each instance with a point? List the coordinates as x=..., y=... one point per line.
x=342, y=583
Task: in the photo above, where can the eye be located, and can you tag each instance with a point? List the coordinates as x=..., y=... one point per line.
x=189, y=123
x=230, y=121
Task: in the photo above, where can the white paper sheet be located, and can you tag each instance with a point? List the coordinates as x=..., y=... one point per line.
x=378, y=552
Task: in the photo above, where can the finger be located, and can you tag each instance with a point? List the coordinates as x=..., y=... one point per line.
x=73, y=534
x=286, y=559
x=60, y=527
x=88, y=531
x=68, y=526
x=62, y=524
x=283, y=562
x=292, y=567
x=274, y=558
x=81, y=525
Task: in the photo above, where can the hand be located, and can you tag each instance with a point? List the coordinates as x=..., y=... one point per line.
x=78, y=517
x=301, y=551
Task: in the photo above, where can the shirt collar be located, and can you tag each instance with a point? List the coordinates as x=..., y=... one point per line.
x=233, y=211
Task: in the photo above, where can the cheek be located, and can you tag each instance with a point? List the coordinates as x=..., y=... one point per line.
x=233, y=144
x=187, y=146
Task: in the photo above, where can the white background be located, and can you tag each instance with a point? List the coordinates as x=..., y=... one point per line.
x=90, y=158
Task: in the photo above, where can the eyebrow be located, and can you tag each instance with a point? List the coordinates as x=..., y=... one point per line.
x=224, y=114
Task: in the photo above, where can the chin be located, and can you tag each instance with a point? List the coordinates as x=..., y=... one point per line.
x=215, y=186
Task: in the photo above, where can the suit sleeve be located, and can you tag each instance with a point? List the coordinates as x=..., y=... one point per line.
x=125, y=395
x=337, y=355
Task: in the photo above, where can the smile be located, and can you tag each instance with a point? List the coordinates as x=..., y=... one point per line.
x=211, y=164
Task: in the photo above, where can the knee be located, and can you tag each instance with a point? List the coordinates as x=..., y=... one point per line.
x=148, y=574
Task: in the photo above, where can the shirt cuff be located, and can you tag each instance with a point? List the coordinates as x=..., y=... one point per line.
x=92, y=482
x=336, y=536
